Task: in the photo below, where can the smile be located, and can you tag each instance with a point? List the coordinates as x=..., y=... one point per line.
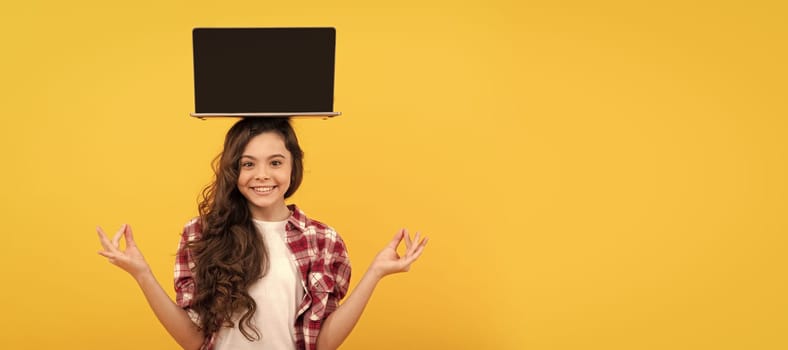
x=264, y=189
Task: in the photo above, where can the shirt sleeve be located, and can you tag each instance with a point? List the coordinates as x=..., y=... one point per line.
x=339, y=268
x=184, y=263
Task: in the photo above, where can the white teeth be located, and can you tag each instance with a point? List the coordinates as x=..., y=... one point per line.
x=263, y=189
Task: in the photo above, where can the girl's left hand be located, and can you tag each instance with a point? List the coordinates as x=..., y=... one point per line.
x=388, y=261
x=131, y=259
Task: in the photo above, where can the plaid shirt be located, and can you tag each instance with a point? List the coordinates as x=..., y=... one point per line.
x=319, y=254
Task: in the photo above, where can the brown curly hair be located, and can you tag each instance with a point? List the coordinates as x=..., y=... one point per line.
x=230, y=255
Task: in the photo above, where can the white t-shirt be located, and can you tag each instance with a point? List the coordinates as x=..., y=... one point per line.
x=276, y=295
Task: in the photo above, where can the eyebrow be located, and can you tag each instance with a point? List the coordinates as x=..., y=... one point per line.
x=269, y=157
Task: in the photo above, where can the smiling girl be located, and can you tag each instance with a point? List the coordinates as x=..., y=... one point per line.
x=252, y=271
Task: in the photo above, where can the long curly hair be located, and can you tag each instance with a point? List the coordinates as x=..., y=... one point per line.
x=231, y=255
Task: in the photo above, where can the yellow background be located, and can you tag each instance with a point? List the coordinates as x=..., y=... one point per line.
x=593, y=175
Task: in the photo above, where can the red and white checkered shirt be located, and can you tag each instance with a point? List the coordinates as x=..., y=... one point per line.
x=321, y=257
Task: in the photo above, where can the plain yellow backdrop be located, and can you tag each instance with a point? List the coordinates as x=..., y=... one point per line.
x=592, y=174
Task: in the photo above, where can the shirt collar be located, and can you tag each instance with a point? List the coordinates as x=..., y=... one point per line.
x=297, y=219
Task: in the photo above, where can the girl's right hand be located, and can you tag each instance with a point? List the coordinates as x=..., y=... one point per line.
x=131, y=259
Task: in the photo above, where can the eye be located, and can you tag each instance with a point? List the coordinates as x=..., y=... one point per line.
x=246, y=164
x=276, y=163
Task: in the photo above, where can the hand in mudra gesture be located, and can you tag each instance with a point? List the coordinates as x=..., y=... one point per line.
x=130, y=259
x=388, y=261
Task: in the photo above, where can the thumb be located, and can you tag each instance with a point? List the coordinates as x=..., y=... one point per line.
x=396, y=240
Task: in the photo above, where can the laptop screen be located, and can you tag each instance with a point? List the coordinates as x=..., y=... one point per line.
x=263, y=70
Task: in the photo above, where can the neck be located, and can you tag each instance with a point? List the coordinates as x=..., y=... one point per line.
x=279, y=213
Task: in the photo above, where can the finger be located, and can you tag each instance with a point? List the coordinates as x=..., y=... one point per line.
x=424, y=241
x=396, y=240
x=105, y=243
x=416, y=239
x=408, y=242
x=129, y=236
x=111, y=258
x=417, y=253
x=116, y=239
x=412, y=246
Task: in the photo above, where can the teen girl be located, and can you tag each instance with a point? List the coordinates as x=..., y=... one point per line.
x=251, y=271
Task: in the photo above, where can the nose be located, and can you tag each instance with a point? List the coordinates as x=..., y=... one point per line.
x=262, y=174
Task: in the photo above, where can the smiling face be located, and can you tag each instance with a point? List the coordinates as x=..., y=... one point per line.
x=264, y=176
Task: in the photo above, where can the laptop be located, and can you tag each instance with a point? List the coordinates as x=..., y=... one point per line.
x=264, y=72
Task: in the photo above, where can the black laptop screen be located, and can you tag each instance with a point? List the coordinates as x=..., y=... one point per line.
x=264, y=70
